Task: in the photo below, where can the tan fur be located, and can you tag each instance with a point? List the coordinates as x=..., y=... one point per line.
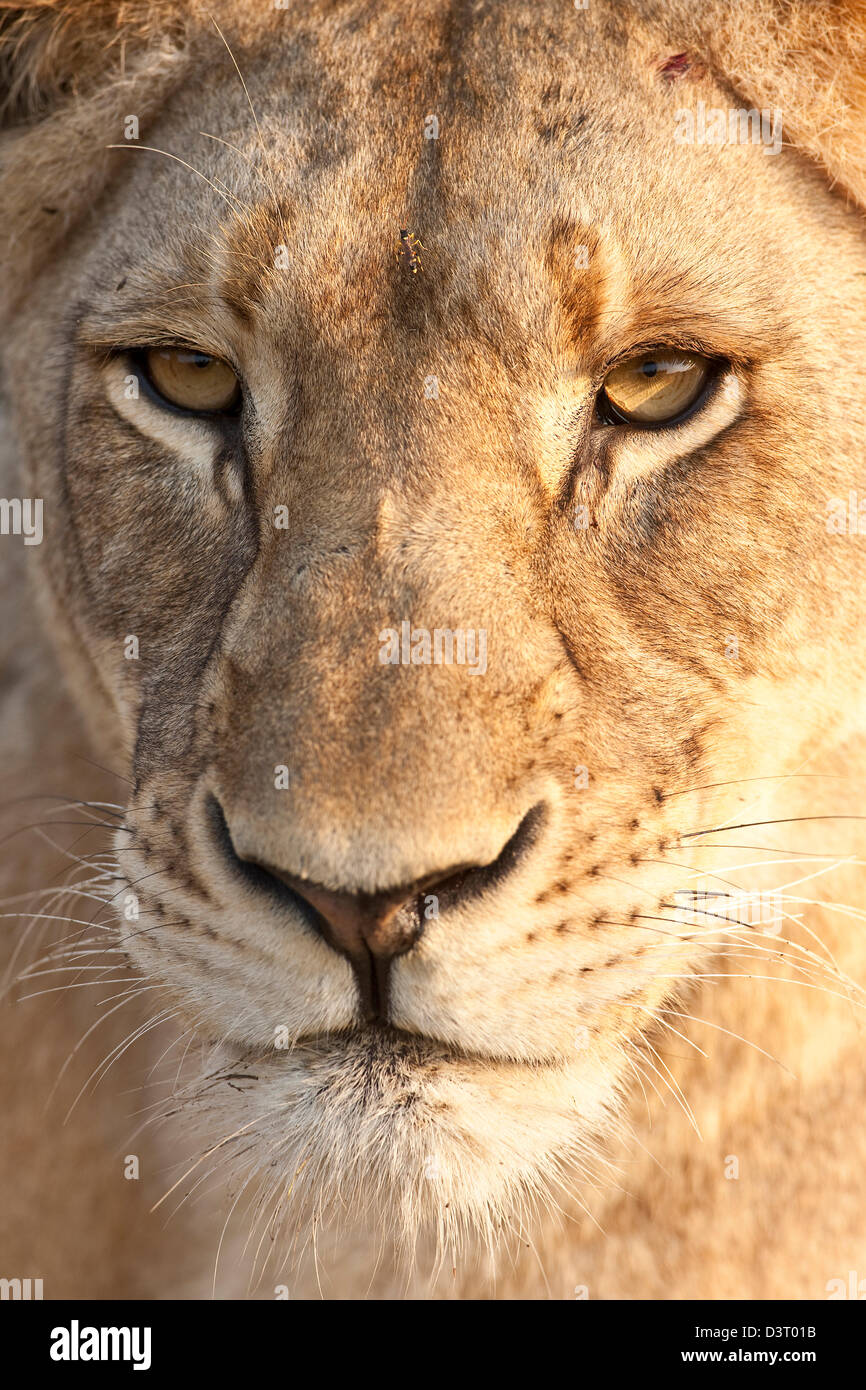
x=530, y=1125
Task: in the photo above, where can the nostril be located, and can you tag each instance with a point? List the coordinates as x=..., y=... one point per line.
x=334, y=924
x=468, y=882
x=255, y=874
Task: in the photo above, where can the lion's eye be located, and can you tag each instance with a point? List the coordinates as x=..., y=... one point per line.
x=655, y=388
x=191, y=380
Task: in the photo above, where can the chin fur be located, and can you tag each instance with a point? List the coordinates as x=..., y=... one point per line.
x=431, y=1150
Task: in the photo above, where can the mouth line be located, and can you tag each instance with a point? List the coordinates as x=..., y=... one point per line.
x=391, y=1043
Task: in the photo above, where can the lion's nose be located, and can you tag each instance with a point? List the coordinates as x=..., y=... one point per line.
x=372, y=929
x=385, y=924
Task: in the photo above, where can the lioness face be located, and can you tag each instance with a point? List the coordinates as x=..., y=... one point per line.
x=427, y=909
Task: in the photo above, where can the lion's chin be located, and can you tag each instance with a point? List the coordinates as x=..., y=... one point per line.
x=402, y=1135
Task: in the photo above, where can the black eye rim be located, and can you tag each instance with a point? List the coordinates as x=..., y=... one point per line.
x=137, y=357
x=609, y=414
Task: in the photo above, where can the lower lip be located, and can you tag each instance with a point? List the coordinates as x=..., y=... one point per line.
x=392, y=1042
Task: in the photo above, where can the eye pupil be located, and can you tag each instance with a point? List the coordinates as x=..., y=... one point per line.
x=649, y=368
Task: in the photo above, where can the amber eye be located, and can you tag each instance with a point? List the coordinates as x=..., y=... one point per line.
x=191, y=380
x=654, y=388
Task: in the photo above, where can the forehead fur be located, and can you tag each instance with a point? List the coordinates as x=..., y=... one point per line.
x=74, y=68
